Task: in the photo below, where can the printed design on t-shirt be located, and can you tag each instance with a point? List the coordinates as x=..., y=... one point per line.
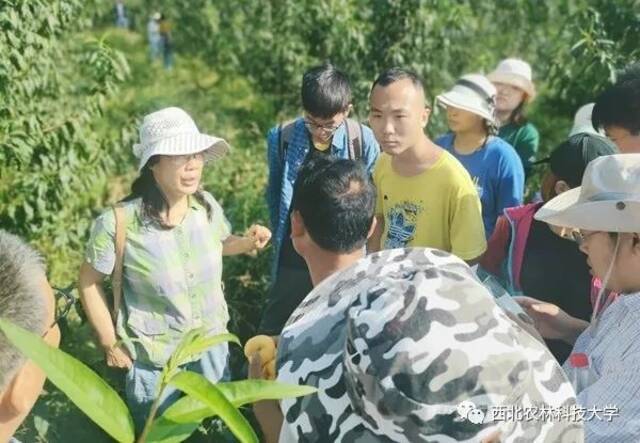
x=476, y=183
x=402, y=219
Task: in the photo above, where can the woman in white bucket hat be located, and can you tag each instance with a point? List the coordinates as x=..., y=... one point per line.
x=492, y=163
x=513, y=81
x=605, y=215
x=173, y=235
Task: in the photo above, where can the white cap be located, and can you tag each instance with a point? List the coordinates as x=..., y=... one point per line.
x=473, y=93
x=582, y=121
x=515, y=72
x=171, y=131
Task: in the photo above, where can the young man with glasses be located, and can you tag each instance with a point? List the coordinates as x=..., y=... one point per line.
x=325, y=129
x=26, y=299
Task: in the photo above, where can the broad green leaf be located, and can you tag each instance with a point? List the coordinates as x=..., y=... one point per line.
x=250, y=391
x=202, y=389
x=183, y=417
x=195, y=342
x=202, y=343
x=84, y=387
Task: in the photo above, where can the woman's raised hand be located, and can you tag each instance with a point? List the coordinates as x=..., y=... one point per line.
x=260, y=235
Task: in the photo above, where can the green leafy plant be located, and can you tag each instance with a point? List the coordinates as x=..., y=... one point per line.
x=203, y=399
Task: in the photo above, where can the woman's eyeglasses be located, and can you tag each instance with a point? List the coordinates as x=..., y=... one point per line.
x=181, y=160
x=579, y=236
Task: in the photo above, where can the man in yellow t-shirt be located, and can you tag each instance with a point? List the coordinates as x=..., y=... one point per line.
x=425, y=196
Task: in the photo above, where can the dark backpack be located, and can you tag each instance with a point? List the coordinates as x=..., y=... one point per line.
x=354, y=135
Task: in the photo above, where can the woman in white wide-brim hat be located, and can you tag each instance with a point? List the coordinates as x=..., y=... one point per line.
x=492, y=163
x=514, y=84
x=175, y=236
x=605, y=215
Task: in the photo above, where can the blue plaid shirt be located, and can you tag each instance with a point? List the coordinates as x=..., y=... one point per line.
x=283, y=174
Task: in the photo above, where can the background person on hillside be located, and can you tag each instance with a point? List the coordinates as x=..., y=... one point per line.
x=325, y=129
x=120, y=13
x=153, y=36
x=166, y=42
x=603, y=214
x=533, y=258
x=492, y=163
x=617, y=111
x=425, y=196
x=515, y=90
x=176, y=235
x=26, y=300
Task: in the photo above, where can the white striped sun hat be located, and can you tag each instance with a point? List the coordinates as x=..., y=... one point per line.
x=473, y=93
x=171, y=131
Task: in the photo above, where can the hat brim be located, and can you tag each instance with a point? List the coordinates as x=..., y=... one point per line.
x=566, y=210
x=464, y=102
x=185, y=144
x=514, y=80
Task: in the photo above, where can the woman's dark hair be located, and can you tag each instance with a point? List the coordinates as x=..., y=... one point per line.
x=153, y=201
x=490, y=127
x=518, y=115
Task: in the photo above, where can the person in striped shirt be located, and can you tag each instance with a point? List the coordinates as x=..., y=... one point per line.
x=604, y=214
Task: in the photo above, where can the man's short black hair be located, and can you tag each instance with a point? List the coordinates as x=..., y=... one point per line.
x=336, y=199
x=630, y=73
x=619, y=105
x=326, y=91
x=396, y=74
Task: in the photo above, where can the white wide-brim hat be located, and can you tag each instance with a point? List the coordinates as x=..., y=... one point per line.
x=515, y=72
x=473, y=93
x=171, y=131
x=608, y=200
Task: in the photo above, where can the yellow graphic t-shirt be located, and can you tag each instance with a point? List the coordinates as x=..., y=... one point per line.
x=438, y=208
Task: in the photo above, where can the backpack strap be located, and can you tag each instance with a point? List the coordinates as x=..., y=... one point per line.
x=116, y=276
x=285, y=132
x=354, y=136
x=497, y=247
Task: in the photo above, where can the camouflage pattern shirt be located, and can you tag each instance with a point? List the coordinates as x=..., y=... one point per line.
x=406, y=345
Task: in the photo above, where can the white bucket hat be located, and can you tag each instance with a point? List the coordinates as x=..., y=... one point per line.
x=582, y=121
x=515, y=72
x=171, y=131
x=608, y=200
x=473, y=93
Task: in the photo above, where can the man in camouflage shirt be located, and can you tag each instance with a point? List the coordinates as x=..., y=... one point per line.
x=404, y=345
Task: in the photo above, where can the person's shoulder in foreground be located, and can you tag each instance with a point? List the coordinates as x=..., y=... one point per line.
x=407, y=345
